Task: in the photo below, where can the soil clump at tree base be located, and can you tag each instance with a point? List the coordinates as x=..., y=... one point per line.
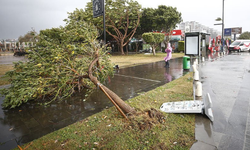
x=144, y=120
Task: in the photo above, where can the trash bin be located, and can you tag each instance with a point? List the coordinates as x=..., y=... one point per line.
x=186, y=62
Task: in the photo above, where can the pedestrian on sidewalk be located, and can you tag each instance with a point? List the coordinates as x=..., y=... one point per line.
x=168, y=50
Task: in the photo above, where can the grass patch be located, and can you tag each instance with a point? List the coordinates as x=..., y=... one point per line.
x=149, y=128
x=3, y=69
x=137, y=59
x=4, y=80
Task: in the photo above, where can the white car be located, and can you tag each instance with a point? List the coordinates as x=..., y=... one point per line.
x=240, y=45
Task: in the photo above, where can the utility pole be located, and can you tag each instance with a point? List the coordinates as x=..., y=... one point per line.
x=104, y=26
x=222, y=37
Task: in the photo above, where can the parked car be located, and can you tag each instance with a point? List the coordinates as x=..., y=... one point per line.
x=240, y=45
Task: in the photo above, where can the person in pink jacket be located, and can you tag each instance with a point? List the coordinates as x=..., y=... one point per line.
x=168, y=50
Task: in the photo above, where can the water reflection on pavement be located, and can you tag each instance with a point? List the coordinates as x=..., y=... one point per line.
x=30, y=121
x=227, y=80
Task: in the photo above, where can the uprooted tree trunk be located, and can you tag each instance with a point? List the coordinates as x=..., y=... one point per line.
x=122, y=107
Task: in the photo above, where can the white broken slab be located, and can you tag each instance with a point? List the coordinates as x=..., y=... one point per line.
x=192, y=106
x=183, y=107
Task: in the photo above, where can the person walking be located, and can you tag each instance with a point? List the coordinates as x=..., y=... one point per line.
x=168, y=50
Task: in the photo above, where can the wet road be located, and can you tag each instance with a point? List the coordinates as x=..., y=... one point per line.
x=227, y=80
x=29, y=122
x=9, y=59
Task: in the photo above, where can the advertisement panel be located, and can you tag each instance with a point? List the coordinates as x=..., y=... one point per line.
x=192, y=43
x=237, y=30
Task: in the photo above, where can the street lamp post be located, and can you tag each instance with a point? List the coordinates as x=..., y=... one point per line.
x=222, y=24
x=99, y=10
x=222, y=37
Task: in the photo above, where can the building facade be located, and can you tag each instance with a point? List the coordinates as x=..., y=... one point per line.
x=10, y=45
x=193, y=26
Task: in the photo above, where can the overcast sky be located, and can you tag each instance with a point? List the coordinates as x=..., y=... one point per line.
x=17, y=17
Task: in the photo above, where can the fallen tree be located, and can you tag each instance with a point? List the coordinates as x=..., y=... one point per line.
x=60, y=65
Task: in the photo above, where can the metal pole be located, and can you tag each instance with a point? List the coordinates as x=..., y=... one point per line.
x=222, y=19
x=222, y=36
x=104, y=26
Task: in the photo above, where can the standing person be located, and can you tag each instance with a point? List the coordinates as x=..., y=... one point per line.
x=168, y=50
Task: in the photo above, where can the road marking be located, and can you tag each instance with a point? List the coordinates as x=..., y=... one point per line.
x=137, y=78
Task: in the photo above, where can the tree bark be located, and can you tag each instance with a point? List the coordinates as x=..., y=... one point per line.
x=136, y=46
x=121, y=48
x=127, y=49
x=153, y=49
x=124, y=106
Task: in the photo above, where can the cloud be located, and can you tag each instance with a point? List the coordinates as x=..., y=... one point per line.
x=19, y=16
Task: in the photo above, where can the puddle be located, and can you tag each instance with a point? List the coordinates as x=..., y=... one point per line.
x=29, y=122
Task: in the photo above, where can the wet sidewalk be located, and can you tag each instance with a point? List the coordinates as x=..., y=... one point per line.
x=227, y=80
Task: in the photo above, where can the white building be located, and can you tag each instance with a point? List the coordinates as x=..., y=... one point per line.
x=192, y=26
x=14, y=44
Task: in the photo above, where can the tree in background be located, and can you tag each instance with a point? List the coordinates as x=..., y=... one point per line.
x=245, y=35
x=28, y=37
x=54, y=35
x=122, y=19
x=154, y=39
x=162, y=19
x=147, y=21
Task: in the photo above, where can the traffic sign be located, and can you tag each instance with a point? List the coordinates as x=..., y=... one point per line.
x=227, y=31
